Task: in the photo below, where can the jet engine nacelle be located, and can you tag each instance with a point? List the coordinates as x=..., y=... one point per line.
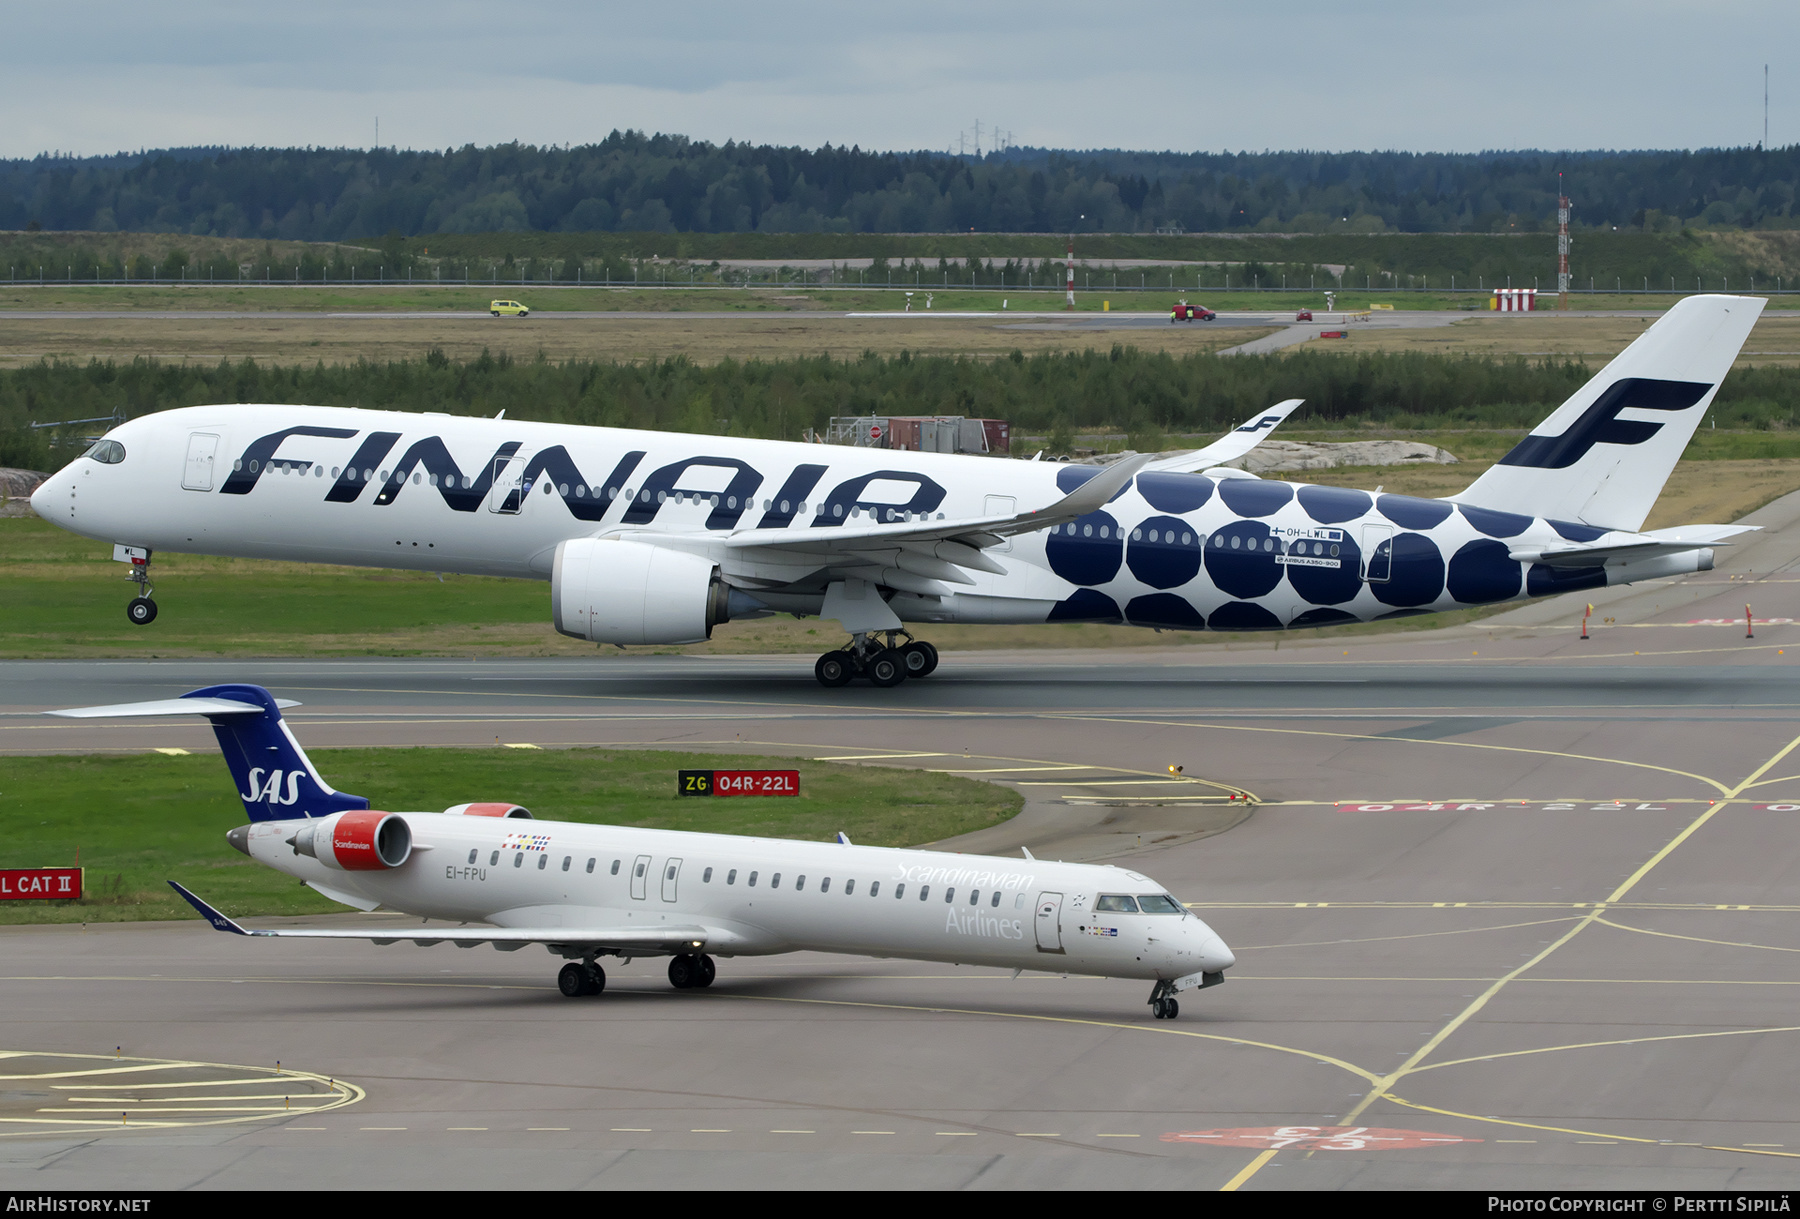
x=360, y=840
x=613, y=591
x=489, y=809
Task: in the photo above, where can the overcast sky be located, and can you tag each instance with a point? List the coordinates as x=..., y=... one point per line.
x=99, y=76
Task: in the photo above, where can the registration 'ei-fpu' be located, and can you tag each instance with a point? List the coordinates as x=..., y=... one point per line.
x=656, y=538
x=587, y=891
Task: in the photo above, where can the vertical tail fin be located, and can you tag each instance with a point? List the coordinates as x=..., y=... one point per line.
x=1603, y=456
x=275, y=778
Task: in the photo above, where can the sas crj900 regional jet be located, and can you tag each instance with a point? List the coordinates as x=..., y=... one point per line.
x=655, y=538
x=588, y=891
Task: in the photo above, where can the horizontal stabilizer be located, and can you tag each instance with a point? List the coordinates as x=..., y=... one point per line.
x=1629, y=547
x=170, y=706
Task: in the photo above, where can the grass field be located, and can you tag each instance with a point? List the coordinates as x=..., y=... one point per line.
x=66, y=598
x=139, y=821
x=1775, y=340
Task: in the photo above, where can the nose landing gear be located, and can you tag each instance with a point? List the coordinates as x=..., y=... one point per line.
x=1162, y=1001
x=141, y=609
x=885, y=664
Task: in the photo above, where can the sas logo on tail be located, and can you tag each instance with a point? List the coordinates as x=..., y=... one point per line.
x=271, y=792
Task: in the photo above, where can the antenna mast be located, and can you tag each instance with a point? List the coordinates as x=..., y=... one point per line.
x=1562, y=246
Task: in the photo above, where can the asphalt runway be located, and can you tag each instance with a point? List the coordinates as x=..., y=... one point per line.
x=1512, y=910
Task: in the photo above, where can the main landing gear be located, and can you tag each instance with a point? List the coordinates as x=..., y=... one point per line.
x=141, y=609
x=883, y=663
x=691, y=972
x=1162, y=1001
x=579, y=978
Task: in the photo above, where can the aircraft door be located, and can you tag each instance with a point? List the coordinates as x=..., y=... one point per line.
x=197, y=474
x=640, y=877
x=1000, y=505
x=1049, y=922
x=1378, y=553
x=508, y=493
x=671, y=873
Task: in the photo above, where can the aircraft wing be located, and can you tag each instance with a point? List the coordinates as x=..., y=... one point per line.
x=1232, y=444
x=918, y=556
x=646, y=941
x=1629, y=546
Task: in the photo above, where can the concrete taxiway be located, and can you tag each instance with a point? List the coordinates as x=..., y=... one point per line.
x=1511, y=909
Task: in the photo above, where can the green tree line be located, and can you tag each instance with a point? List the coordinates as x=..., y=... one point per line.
x=632, y=182
x=1147, y=394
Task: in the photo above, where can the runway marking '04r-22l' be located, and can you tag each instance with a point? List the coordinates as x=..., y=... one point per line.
x=1317, y=1138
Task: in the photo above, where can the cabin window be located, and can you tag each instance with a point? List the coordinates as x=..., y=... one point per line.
x=775, y=881
x=670, y=874
x=706, y=877
x=899, y=890
x=924, y=892
x=590, y=866
x=567, y=860
x=731, y=877
x=494, y=859
x=949, y=895
x=996, y=902
x=825, y=885
x=639, y=871
x=615, y=867
x=1115, y=904
x=471, y=855
x=849, y=887
x=799, y=883
x=974, y=897
x=1159, y=903
x=1019, y=902
x=518, y=859
x=874, y=888
x=542, y=860
x=751, y=880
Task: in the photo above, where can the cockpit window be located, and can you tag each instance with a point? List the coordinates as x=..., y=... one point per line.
x=1114, y=904
x=107, y=452
x=1159, y=903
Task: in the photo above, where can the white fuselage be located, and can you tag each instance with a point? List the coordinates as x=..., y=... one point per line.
x=756, y=896
x=495, y=497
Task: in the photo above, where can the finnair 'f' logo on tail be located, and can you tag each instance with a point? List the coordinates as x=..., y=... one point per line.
x=1600, y=422
x=1263, y=424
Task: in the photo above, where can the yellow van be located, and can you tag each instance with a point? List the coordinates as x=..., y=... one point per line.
x=508, y=309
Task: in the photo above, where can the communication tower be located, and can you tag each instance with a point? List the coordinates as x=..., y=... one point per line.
x=1562, y=246
x=1070, y=306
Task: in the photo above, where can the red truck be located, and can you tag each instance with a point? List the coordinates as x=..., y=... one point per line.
x=1184, y=312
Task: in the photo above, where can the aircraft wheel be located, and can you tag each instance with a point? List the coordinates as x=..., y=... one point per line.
x=571, y=980
x=595, y=978
x=141, y=611
x=1173, y=1009
x=920, y=657
x=682, y=971
x=886, y=668
x=706, y=971
x=834, y=669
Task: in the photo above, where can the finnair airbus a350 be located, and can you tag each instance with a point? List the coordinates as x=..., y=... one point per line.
x=587, y=891
x=655, y=538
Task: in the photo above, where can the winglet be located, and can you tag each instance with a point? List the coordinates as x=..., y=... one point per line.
x=1233, y=444
x=1028, y=853
x=843, y=839
x=219, y=921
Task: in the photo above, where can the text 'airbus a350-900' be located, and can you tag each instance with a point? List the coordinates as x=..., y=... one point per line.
x=586, y=891
x=655, y=537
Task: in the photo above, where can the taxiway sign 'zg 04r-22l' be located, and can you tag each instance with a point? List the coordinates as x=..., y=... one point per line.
x=588, y=891
x=656, y=538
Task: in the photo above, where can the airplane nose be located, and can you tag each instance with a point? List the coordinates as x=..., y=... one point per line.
x=40, y=499
x=1214, y=955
